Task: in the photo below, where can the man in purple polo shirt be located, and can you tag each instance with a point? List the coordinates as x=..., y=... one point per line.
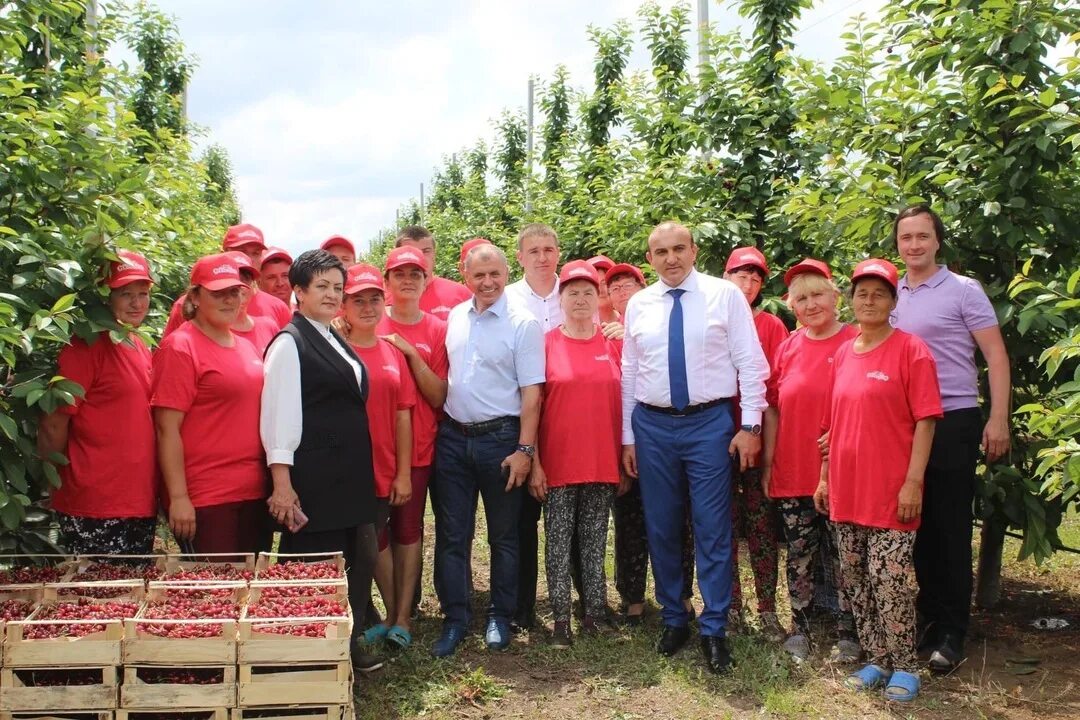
x=953, y=316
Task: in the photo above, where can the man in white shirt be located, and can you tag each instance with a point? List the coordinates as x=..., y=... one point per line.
x=690, y=346
x=537, y=292
x=485, y=445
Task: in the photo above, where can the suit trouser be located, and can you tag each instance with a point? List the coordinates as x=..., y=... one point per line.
x=676, y=454
x=943, y=541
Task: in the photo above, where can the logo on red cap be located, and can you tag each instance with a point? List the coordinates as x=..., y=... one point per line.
x=225, y=270
x=367, y=277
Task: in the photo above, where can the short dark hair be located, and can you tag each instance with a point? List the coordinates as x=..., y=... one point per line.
x=761, y=274
x=414, y=233
x=913, y=211
x=312, y=263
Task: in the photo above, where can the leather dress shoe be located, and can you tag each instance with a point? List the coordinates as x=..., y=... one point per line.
x=672, y=640
x=717, y=656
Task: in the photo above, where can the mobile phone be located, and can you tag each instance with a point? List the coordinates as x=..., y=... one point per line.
x=299, y=521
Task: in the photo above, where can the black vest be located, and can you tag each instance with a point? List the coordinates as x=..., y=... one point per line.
x=332, y=468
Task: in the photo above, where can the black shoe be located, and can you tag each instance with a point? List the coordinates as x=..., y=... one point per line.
x=929, y=641
x=672, y=640
x=717, y=657
x=948, y=655
x=561, y=638
x=523, y=625
x=632, y=620
x=362, y=662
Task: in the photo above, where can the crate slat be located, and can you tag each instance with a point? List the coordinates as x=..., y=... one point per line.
x=137, y=693
x=15, y=695
x=221, y=713
x=315, y=684
x=294, y=712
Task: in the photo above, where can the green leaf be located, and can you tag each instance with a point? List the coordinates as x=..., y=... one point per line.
x=65, y=302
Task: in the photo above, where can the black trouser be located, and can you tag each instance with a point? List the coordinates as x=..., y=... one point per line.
x=528, y=557
x=943, y=542
x=358, y=545
x=632, y=550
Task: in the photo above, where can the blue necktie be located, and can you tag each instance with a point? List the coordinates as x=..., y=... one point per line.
x=676, y=353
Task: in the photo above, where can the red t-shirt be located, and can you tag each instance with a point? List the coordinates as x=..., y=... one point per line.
x=390, y=389
x=112, y=469
x=801, y=367
x=872, y=405
x=771, y=332
x=441, y=295
x=219, y=390
x=262, y=304
x=581, y=417
x=261, y=333
x=429, y=338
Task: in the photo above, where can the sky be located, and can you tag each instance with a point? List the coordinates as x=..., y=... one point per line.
x=334, y=111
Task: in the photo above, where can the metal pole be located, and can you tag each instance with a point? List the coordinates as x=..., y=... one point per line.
x=529, y=149
x=421, y=203
x=91, y=26
x=703, y=32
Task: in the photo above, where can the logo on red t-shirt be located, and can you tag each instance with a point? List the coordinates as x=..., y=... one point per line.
x=878, y=375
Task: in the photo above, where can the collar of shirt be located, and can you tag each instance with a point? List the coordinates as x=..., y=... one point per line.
x=554, y=294
x=689, y=283
x=324, y=330
x=496, y=308
x=933, y=281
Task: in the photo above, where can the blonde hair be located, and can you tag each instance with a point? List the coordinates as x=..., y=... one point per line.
x=536, y=230
x=809, y=282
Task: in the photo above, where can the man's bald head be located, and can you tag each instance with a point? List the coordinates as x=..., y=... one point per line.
x=483, y=253
x=671, y=252
x=670, y=227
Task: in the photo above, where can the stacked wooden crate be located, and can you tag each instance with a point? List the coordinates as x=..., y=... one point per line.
x=293, y=648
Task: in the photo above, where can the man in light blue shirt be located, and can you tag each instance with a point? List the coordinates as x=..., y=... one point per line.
x=485, y=445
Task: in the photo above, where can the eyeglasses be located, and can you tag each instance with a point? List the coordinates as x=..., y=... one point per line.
x=622, y=287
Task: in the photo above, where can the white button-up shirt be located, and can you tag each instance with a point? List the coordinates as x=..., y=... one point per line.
x=546, y=310
x=723, y=354
x=281, y=419
x=493, y=354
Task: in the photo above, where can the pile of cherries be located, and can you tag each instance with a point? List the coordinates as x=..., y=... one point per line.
x=182, y=676
x=181, y=608
x=59, y=678
x=211, y=572
x=31, y=575
x=296, y=607
x=15, y=609
x=296, y=570
x=81, y=610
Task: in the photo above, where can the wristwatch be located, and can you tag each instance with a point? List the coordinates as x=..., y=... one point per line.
x=752, y=429
x=529, y=450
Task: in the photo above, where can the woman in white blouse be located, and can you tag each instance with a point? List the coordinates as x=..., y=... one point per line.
x=314, y=429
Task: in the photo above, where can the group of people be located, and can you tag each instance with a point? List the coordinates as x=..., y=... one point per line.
x=324, y=398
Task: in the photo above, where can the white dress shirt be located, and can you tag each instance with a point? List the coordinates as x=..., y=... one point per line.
x=492, y=356
x=281, y=420
x=546, y=309
x=723, y=353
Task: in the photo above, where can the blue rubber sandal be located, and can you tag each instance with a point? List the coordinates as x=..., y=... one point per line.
x=399, y=636
x=375, y=634
x=902, y=687
x=868, y=678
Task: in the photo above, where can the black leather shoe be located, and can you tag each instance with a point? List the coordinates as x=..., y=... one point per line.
x=948, y=655
x=717, y=657
x=523, y=625
x=672, y=640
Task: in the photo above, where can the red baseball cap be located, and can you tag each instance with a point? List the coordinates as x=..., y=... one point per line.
x=403, y=256
x=131, y=267
x=602, y=263
x=625, y=269
x=241, y=235
x=275, y=253
x=579, y=270
x=876, y=268
x=363, y=277
x=217, y=272
x=743, y=256
x=244, y=263
x=807, y=265
x=470, y=244
x=338, y=240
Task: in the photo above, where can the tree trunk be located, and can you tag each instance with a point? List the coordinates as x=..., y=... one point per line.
x=988, y=582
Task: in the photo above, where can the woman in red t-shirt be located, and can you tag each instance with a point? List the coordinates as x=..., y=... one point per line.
x=107, y=499
x=206, y=394
x=791, y=463
x=421, y=337
x=391, y=399
x=581, y=409
x=256, y=329
x=880, y=411
x=751, y=510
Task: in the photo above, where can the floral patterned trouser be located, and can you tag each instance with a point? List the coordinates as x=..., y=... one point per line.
x=808, y=537
x=581, y=511
x=752, y=515
x=878, y=575
x=107, y=536
x=632, y=549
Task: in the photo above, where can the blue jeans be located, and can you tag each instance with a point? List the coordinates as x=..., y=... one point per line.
x=467, y=467
x=680, y=457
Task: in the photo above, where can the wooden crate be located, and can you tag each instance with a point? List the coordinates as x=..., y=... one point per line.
x=141, y=690
x=243, y=563
x=19, y=692
x=26, y=593
x=103, y=590
x=58, y=715
x=221, y=713
x=328, y=589
x=279, y=685
x=15, y=561
x=266, y=559
x=294, y=712
x=141, y=647
x=256, y=645
x=95, y=649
